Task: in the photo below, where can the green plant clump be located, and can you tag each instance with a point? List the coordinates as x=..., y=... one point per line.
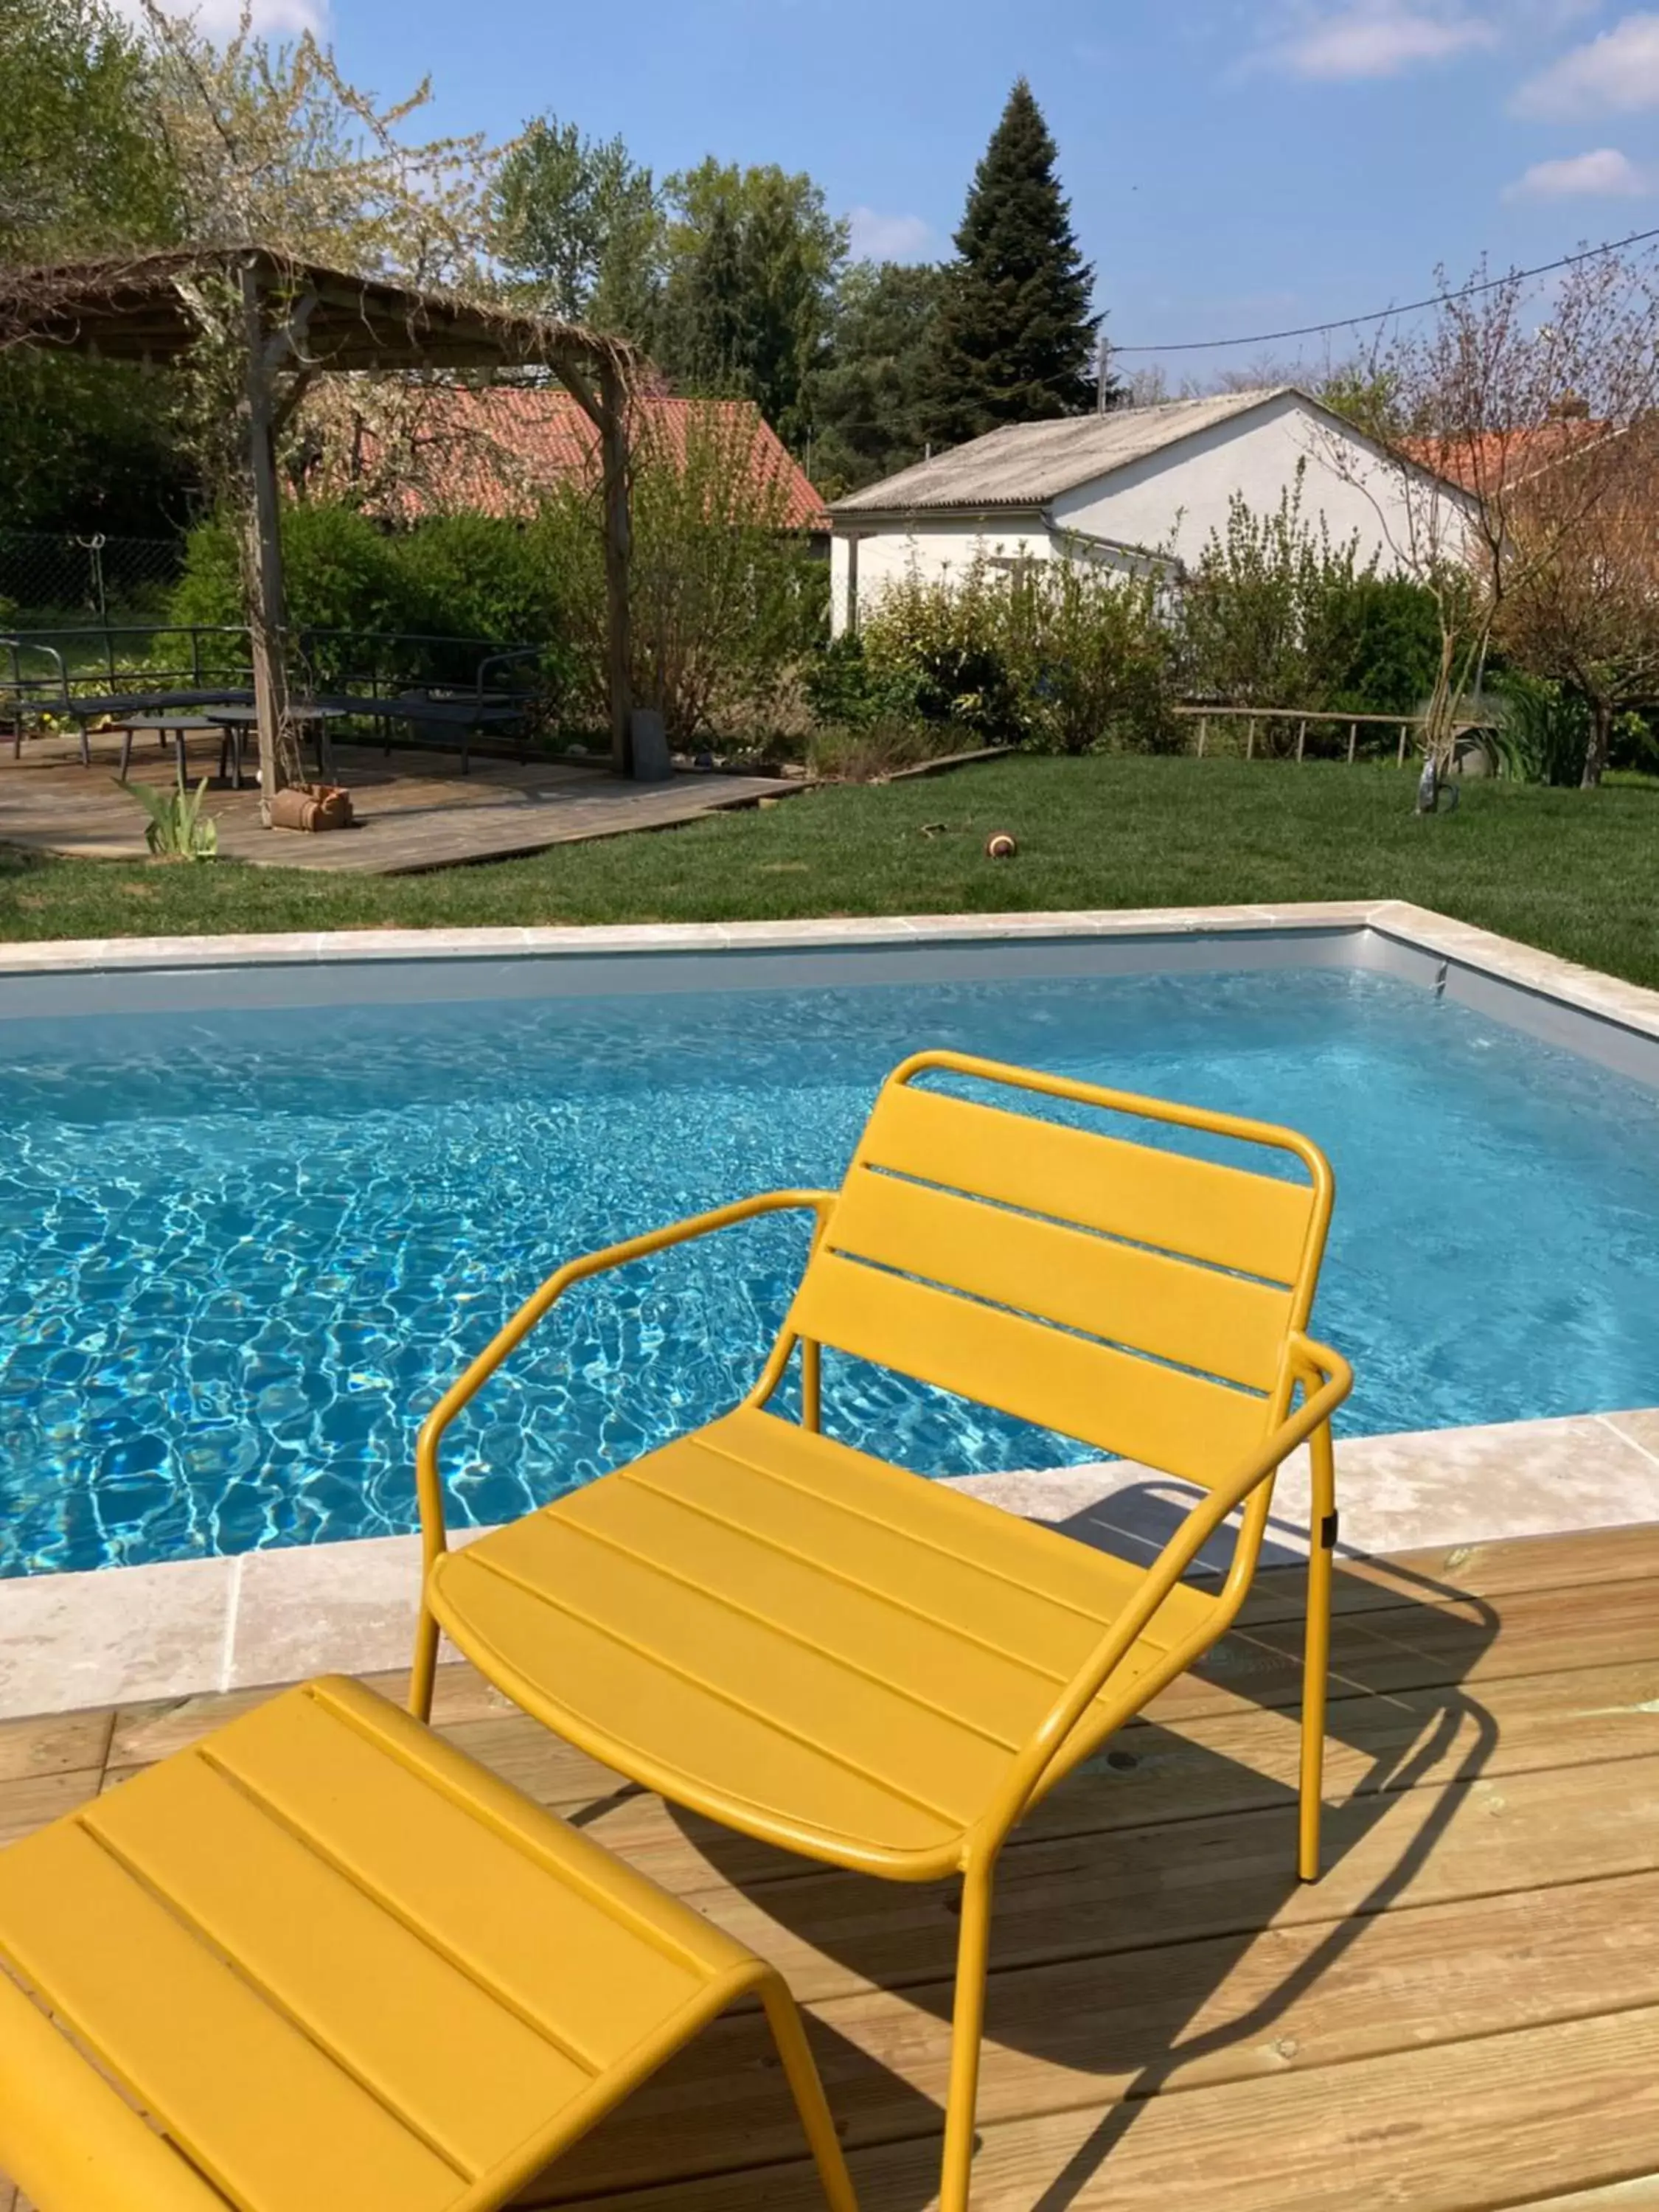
x=178, y=828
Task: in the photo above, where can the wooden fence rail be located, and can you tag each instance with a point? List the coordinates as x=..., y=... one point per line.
x=1405, y=724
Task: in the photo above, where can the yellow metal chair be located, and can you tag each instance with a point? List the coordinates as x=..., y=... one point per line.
x=830, y=1654
x=337, y=1967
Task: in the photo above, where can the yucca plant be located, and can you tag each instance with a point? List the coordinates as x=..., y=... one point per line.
x=1544, y=729
x=177, y=830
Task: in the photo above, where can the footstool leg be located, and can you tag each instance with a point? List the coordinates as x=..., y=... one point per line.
x=802, y=2076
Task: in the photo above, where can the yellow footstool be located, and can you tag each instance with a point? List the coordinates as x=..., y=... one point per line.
x=338, y=1967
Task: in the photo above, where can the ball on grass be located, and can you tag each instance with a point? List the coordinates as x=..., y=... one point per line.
x=999, y=845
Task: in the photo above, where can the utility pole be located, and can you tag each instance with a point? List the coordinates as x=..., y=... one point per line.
x=1102, y=371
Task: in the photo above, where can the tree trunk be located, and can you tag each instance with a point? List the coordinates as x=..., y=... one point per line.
x=260, y=524
x=1600, y=743
x=618, y=548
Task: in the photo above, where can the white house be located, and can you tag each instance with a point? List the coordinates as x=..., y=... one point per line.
x=1138, y=485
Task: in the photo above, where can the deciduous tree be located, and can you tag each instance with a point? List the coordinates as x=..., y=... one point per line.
x=867, y=406
x=753, y=257
x=1504, y=388
x=82, y=171
x=1582, y=603
x=582, y=228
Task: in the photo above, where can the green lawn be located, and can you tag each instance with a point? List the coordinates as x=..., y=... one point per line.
x=1576, y=873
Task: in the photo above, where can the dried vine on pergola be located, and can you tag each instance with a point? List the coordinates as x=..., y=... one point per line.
x=278, y=322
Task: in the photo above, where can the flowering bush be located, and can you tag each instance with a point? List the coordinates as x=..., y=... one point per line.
x=945, y=642
x=1061, y=656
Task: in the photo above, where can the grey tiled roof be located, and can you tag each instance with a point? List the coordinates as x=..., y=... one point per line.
x=1027, y=464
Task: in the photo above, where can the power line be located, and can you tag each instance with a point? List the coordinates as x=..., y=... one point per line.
x=1412, y=308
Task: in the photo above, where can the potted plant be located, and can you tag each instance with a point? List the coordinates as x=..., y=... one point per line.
x=312, y=806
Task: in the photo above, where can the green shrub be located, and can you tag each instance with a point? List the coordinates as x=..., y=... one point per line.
x=846, y=691
x=1093, y=660
x=342, y=576
x=1376, y=645
x=945, y=642
x=469, y=578
x=1062, y=656
x=1541, y=731
x=724, y=600
x=1636, y=742
x=1274, y=613
x=474, y=576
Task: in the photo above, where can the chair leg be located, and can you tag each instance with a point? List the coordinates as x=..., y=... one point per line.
x=807, y=2089
x=423, y=1672
x=1317, y=1648
x=967, y=2032
x=811, y=1384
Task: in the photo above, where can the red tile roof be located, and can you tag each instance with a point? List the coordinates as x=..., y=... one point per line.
x=1494, y=459
x=493, y=449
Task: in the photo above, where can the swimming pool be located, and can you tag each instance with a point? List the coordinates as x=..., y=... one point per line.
x=242, y=1251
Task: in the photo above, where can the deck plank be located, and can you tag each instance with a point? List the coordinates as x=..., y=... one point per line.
x=415, y=810
x=1082, y=2035
x=832, y=1934
x=1462, y=2015
x=1495, y=1570
x=1461, y=2127
x=53, y=1745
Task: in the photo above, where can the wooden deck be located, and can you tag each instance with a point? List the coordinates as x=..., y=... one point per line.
x=1464, y=2012
x=416, y=810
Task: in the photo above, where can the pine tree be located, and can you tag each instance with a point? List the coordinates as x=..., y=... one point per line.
x=1015, y=338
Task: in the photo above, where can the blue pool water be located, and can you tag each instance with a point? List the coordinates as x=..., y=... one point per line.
x=240, y=1254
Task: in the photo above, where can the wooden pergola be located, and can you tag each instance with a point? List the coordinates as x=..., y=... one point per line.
x=294, y=321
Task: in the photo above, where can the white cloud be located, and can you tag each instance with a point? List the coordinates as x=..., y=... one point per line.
x=1379, y=38
x=1616, y=74
x=888, y=237
x=221, y=19
x=1606, y=174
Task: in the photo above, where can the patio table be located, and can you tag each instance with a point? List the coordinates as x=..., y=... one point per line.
x=181, y=728
x=237, y=718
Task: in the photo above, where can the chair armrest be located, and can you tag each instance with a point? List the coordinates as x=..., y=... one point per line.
x=1334, y=1378
x=429, y=1483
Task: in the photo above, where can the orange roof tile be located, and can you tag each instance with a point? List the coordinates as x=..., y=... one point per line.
x=492, y=449
x=1494, y=459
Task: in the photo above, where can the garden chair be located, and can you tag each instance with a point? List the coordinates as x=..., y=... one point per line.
x=337, y=1967
x=832, y=1655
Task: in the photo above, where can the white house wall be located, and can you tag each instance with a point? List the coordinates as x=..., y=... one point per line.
x=936, y=551
x=1178, y=497
x=1173, y=501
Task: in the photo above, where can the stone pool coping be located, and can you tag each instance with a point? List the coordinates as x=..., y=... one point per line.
x=1543, y=974
x=184, y=1627
x=189, y=1627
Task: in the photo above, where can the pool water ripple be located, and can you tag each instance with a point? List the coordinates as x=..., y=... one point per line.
x=242, y=1255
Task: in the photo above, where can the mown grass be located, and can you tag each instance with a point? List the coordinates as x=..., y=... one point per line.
x=1576, y=873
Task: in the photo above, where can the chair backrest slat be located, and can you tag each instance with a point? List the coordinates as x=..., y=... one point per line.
x=1198, y=1316
x=1073, y=1383
x=1137, y=1297
x=1225, y=1216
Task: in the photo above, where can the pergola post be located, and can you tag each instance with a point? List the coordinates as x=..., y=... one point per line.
x=618, y=548
x=262, y=551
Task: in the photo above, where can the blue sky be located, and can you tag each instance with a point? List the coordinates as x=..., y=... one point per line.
x=1233, y=165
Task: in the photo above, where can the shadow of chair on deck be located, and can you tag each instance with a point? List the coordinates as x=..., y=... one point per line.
x=1127, y=1902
